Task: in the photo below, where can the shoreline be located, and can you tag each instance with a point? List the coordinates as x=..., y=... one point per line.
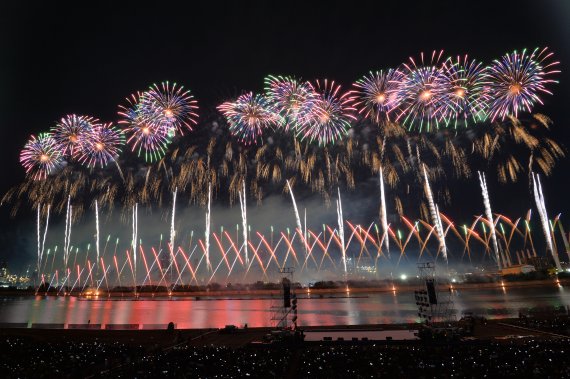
x=307, y=292
x=495, y=330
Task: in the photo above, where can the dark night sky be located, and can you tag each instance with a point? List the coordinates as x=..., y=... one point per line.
x=85, y=59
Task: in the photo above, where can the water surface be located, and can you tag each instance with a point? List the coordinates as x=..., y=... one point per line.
x=369, y=308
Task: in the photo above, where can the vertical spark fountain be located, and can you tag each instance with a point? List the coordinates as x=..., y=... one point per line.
x=172, y=232
x=67, y=237
x=436, y=219
x=65, y=232
x=383, y=211
x=243, y=206
x=39, y=242
x=45, y=233
x=489, y=215
x=341, y=230
x=97, y=237
x=134, y=243
x=306, y=242
x=297, y=217
x=565, y=240
x=208, y=224
x=541, y=205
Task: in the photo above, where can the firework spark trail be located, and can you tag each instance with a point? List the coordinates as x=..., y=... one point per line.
x=74, y=257
x=78, y=279
x=297, y=217
x=67, y=237
x=489, y=215
x=308, y=250
x=236, y=259
x=341, y=230
x=540, y=204
x=65, y=231
x=216, y=270
x=565, y=240
x=149, y=269
x=435, y=215
x=383, y=210
x=187, y=264
x=357, y=235
x=233, y=246
x=65, y=280
x=208, y=224
x=290, y=248
x=117, y=269
x=222, y=249
x=97, y=236
x=172, y=219
x=259, y=260
x=243, y=206
x=134, y=241
x=324, y=248
x=69, y=233
x=86, y=255
x=175, y=264
x=89, y=274
x=105, y=270
x=47, y=258
x=39, y=241
x=552, y=229
x=44, y=239
x=146, y=267
x=51, y=282
x=172, y=230
x=224, y=258
x=199, y=261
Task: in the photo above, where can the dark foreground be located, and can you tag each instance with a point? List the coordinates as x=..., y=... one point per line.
x=496, y=350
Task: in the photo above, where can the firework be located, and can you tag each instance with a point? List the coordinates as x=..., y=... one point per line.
x=249, y=115
x=468, y=94
x=331, y=115
x=377, y=94
x=41, y=156
x=425, y=94
x=293, y=100
x=148, y=138
x=516, y=80
x=104, y=145
x=71, y=132
x=170, y=106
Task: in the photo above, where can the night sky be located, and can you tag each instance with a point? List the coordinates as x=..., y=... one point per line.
x=57, y=60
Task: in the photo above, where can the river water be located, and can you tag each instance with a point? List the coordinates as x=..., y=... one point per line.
x=342, y=309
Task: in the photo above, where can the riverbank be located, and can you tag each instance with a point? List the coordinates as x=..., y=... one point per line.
x=400, y=286
x=152, y=339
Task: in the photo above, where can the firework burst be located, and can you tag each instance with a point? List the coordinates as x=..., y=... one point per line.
x=293, y=99
x=377, y=94
x=468, y=95
x=425, y=94
x=103, y=145
x=516, y=80
x=331, y=115
x=249, y=115
x=71, y=132
x=41, y=156
x=149, y=139
x=170, y=106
